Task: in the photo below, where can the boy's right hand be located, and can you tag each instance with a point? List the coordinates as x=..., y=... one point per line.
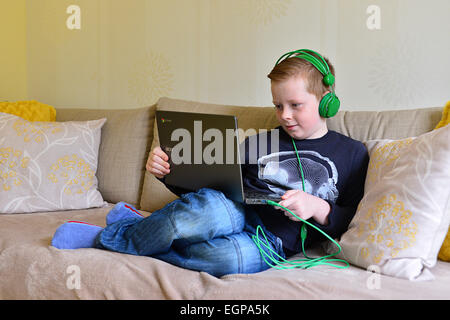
x=157, y=163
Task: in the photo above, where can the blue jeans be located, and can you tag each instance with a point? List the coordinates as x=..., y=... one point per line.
x=202, y=231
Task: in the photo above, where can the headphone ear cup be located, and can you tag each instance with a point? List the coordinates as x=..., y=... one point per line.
x=329, y=105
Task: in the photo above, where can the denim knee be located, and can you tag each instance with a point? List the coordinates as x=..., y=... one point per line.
x=206, y=211
x=231, y=254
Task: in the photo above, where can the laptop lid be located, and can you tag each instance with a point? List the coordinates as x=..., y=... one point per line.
x=203, y=151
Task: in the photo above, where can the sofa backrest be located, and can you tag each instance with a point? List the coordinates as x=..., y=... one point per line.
x=129, y=135
x=369, y=125
x=358, y=125
x=125, y=143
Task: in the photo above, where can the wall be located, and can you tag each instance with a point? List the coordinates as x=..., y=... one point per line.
x=13, y=77
x=127, y=54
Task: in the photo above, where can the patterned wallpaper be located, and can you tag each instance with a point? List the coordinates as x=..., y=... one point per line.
x=150, y=78
x=396, y=76
x=264, y=11
x=126, y=54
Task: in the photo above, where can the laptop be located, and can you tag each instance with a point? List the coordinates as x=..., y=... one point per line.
x=203, y=152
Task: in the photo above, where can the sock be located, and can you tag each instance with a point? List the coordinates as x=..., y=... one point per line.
x=75, y=235
x=121, y=211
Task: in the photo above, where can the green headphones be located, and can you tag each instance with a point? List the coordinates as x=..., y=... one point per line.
x=329, y=104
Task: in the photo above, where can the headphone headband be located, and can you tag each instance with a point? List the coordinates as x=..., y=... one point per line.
x=320, y=64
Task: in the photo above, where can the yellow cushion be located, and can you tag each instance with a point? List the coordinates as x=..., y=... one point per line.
x=445, y=116
x=29, y=110
x=444, y=253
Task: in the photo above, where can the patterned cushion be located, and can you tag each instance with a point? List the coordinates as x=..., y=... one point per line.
x=47, y=166
x=405, y=212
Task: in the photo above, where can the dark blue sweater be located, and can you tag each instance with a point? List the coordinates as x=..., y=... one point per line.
x=334, y=169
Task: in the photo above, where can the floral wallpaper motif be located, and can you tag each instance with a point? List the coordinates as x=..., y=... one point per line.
x=150, y=79
x=264, y=12
x=396, y=71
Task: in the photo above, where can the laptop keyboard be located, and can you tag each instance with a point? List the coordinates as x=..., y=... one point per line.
x=252, y=194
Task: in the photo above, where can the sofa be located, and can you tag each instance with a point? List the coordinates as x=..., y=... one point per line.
x=31, y=268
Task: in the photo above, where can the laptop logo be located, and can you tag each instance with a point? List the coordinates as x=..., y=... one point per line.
x=165, y=120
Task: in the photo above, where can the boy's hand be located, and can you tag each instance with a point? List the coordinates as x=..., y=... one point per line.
x=157, y=163
x=305, y=206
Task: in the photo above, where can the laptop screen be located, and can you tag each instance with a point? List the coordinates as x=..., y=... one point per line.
x=203, y=151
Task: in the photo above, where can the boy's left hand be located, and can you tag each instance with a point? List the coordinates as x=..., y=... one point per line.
x=305, y=206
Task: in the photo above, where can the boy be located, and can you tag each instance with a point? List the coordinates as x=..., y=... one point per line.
x=205, y=231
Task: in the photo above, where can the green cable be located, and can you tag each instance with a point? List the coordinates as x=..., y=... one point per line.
x=300, y=165
x=305, y=263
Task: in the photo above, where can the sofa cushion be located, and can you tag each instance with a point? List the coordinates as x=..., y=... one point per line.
x=48, y=166
x=31, y=268
x=31, y=110
x=126, y=139
x=405, y=212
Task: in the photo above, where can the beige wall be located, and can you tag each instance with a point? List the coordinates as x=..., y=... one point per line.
x=13, y=76
x=129, y=53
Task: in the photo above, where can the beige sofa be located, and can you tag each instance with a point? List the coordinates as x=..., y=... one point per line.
x=32, y=269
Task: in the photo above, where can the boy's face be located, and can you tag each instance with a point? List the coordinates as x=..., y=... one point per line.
x=297, y=110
